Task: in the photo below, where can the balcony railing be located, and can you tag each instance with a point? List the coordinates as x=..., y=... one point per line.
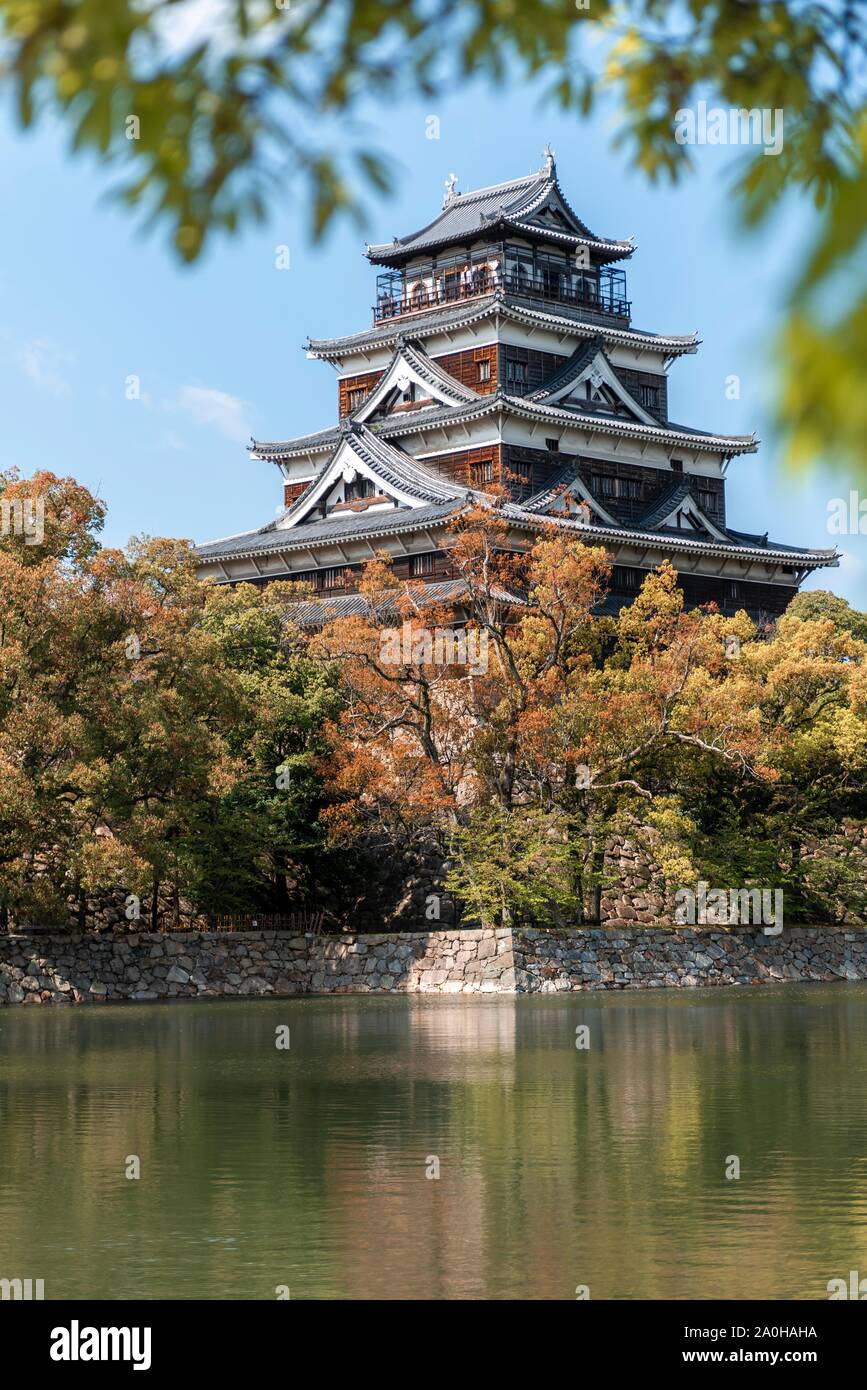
x=605, y=295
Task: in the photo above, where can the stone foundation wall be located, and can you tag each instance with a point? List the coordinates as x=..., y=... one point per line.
x=635, y=958
x=95, y=968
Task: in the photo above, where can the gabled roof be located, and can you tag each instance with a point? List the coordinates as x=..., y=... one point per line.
x=411, y=363
x=570, y=369
x=663, y=506
x=566, y=483
x=398, y=475
x=552, y=402
x=515, y=203
x=660, y=516
x=685, y=506
x=589, y=363
x=466, y=312
x=680, y=501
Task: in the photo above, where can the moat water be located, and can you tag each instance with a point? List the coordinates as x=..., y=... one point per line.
x=312, y=1168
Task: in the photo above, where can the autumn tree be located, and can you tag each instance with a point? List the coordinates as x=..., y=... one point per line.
x=664, y=724
x=143, y=719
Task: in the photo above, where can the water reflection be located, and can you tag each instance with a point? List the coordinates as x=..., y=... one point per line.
x=558, y=1167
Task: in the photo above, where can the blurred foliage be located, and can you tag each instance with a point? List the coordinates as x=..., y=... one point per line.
x=229, y=108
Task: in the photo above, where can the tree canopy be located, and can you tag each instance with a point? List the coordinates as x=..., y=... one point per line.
x=144, y=723
x=190, y=740
x=730, y=754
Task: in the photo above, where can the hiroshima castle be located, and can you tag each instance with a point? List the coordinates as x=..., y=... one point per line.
x=502, y=355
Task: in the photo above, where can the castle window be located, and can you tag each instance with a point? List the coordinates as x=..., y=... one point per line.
x=677, y=465
x=484, y=370
x=356, y=397
x=552, y=445
x=361, y=487
x=602, y=485
x=422, y=564
x=332, y=578
x=605, y=486
x=648, y=396
x=516, y=373
x=481, y=473
x=626, y=580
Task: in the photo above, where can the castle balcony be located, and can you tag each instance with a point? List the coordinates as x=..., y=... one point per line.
x=536, y=278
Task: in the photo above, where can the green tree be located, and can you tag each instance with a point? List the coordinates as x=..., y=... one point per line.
x=143, y=720
x=821, y=603
x=263, y=842
x=736, y=762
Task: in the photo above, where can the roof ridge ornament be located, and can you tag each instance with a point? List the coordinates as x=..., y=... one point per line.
x=550, y=166
x=451, y=188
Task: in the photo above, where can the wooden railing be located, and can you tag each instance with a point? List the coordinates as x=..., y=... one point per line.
x=304, y=920
x=604, y=297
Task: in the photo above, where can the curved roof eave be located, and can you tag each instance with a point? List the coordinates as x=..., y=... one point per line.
x=521, y=406
x=430, y=321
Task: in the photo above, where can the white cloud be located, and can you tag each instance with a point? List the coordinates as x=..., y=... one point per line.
x=43, y=362
x=226, y=413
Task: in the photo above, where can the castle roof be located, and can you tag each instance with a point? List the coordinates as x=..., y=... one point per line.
x=313, y=613
x=274, y=539
x=366, y=487
x=397, y=473
x=538, y=510
x=464, y=313
x=531, y=205
x=519, y=407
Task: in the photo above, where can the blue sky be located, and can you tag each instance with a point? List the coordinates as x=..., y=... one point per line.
x=86, y=301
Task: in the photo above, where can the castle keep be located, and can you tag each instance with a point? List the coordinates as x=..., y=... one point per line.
x=502, y=352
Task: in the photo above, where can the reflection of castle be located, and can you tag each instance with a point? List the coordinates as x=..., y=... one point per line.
x=501, y=352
